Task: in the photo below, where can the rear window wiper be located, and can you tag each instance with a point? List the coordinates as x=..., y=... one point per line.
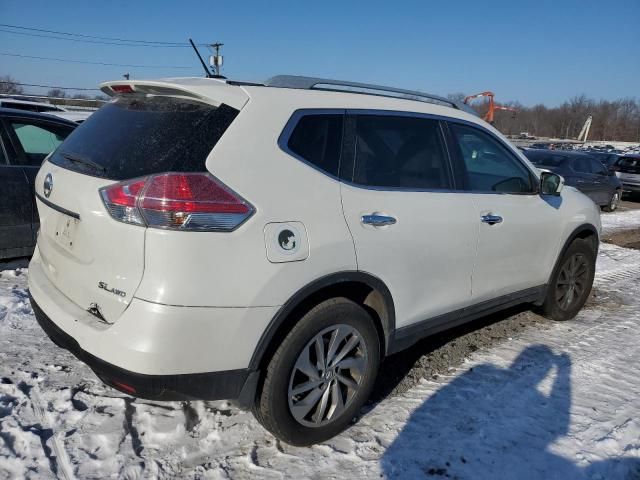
x=85, y=162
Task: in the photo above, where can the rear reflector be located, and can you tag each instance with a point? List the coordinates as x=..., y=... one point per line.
x=177, y=201
x=124, y=387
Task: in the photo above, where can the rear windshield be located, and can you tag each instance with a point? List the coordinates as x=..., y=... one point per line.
x=546, y=160
x=133, y=137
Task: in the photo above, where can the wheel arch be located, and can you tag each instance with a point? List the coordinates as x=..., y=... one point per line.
x=586, y=231
x=361, y=287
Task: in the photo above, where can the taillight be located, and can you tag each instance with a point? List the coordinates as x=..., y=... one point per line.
x=179, y=201
x=122, y=89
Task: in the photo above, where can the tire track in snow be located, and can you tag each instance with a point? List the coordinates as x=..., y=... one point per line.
x=61, y=461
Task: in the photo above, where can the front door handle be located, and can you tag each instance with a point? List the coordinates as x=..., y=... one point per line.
x=378, y=220
x=491, y=219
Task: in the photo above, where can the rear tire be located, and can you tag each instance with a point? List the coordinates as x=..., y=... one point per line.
x=306, y=371
x=571, y=284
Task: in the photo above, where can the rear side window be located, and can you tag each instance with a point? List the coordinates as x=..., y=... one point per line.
x=317, y=139
x=582, y=165
x=37, y=140
x=49, y=109
x=132, y=137
x=21, y=106
x=490, y=166
x=400, y=152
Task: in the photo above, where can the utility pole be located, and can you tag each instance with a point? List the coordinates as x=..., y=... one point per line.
x=216, y=60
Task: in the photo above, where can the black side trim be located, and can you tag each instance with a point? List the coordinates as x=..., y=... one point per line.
x=406, y=336
x=389, y=324
x=56, y=207
x=223, y=385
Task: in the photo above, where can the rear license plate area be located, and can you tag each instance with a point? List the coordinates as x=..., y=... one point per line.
x=66, y=231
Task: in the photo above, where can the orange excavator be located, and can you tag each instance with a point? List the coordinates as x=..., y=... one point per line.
x=493, y=106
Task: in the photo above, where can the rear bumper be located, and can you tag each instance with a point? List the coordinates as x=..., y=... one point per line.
x=226, y=384
x=630, y=187
x=155, y=351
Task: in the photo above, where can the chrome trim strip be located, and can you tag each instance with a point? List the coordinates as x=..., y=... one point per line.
x=283, y=141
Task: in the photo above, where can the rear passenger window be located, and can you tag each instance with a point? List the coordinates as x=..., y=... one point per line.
x=400, y=152
x=491, y=167
x=317, y=139
x=582, y=165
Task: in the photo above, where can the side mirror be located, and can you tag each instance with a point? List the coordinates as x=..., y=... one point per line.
x=551, y=183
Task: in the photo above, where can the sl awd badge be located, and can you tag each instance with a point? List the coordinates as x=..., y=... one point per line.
x=286, y=242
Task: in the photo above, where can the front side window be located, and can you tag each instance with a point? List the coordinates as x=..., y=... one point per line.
x=38, y=140
x=490, y=166
x=400, y=152
x=597, y=167
x=318, y=139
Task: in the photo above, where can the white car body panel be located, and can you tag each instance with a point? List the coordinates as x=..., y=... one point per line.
x=73, y=115
x=410, y=256
x=94, y=249
x=200, y=301
x=155, y=339
x=516, y=254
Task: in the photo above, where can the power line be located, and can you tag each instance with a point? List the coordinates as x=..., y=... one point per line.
x=88, y=38
x=33, y=57
x=50, y=86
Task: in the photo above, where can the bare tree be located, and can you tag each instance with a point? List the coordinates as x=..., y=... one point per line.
x=612, y=119
x=456, y=97
x=9, y=85
x=56, y=92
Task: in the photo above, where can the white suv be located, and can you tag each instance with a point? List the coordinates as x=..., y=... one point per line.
x=271, y=243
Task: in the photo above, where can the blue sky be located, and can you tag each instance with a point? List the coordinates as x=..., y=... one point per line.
x=535, y=52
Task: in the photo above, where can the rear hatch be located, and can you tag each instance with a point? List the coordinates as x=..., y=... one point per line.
x=90, y=256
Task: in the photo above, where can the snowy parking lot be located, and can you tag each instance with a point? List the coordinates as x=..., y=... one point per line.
x=538, y=400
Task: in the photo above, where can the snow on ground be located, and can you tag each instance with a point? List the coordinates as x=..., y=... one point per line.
x=620, y=220
x=561, y=401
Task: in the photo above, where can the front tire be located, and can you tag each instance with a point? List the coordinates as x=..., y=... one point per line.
x=321, y=374
x=571, y=284
x=613, y=202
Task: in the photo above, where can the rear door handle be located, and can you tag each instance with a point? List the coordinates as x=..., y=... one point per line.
x=378, y=220
x=491, y=219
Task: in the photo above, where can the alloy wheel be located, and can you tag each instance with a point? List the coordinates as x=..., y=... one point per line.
x=615, y=199
x=327, y=375
x=572, y=281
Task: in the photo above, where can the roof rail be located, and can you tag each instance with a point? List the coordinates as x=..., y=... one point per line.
x=311, y=83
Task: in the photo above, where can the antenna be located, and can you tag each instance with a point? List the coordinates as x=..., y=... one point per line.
x=204, y=65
